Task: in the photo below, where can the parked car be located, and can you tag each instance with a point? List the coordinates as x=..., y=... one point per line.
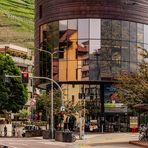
x=29, y=128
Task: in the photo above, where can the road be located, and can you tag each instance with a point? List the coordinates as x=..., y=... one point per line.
x=111, y=140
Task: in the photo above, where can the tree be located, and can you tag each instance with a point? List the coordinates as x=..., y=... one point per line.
x=24, y=114
x=133, y=87
x=44, y=104
x=13, y=94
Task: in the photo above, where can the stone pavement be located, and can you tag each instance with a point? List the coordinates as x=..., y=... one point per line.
x=90, y=140
x=94, y=139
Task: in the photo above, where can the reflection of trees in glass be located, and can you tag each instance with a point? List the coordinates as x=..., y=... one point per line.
x=140, y=33
x=133, y=57
x=116, y=60
x=116, y=29
x=125, y=55
x=125, y=30
x=106, y=29
x=133, y=31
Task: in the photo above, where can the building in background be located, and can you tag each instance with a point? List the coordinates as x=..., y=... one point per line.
x=23, y=58
x=100, y=39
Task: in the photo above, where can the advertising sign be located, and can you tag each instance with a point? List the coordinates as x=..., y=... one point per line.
x=133, y=122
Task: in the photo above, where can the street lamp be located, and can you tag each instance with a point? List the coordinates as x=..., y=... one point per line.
x=52, y=55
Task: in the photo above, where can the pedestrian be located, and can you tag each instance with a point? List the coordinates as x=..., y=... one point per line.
x=5, y=131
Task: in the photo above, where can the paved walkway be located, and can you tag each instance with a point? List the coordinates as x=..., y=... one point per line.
x=90, y=140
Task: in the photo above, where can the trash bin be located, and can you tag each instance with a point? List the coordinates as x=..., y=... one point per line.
x=68, y=136
x=46, y=134
x=59, y=136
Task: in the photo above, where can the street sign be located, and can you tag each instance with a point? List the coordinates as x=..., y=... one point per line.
x=62, y=108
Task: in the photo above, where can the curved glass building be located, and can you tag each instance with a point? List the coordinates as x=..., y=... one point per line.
x=99, y=39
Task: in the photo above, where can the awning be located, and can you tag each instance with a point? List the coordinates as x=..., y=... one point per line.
x=142, y=106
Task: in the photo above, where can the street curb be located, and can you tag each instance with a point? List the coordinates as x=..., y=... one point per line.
x=138, y=143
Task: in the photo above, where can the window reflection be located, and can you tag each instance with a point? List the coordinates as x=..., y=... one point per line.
x=125, y=52
x=116, y=29
x=93, y=49
x=95, y=29
x=133, y=31
x=140, y=33
x=133, y=57
x=125, y=30
x=146, y=34
x=83, y=28
x=106, y=29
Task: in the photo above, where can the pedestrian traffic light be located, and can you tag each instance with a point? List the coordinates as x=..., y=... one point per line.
x=25, y=78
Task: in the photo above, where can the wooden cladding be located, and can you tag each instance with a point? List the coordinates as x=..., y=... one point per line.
x=131, y=10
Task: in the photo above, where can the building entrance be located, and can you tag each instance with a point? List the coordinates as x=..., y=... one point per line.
x=116, y=122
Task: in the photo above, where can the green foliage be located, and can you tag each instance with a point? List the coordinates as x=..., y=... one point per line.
x=24, y=113
x=17, y=22
x=44, y=104
x=73, y=109
x=13, y=94
x=133, y=87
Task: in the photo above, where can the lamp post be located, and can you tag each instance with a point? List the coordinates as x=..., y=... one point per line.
x=52, y=55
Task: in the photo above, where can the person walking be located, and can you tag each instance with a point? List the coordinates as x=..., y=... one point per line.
x=5, y=131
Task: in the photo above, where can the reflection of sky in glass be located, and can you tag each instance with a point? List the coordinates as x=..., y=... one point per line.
x=95, y=45
x=146, y=36
x=63, y=25
x=72, y=24
x=83, y=28
x=95, y=28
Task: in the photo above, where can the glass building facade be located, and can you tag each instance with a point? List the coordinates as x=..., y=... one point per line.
x=94, y=50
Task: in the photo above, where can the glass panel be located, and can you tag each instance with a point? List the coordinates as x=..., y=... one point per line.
x=133, y=56
x=63, y=38
x=140, y=33
x=125, y=30
x=146, y=46
x=83, y=28
x=116, y=29
x=125, y=52
x=146, y=34
x=94, y=62
x=95, y=46
x=63, y=70
x=72, y=24
x=140, y=51
x=71, y=49
x=133, y=31
x=106, y=43
x=72, y=30
x=116, y=60
x=95, y=28
x=83, y=49
x=106, y=68
x=63, y=30
x=106, y=29
x=63, y=25
x=116, y=44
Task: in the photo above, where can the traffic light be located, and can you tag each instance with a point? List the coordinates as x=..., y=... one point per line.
x=25, y=78
x=62, y=115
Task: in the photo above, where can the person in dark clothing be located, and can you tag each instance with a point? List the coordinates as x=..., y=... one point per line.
x=5, y=131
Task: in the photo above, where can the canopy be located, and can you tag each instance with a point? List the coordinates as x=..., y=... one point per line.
x=142, y=106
